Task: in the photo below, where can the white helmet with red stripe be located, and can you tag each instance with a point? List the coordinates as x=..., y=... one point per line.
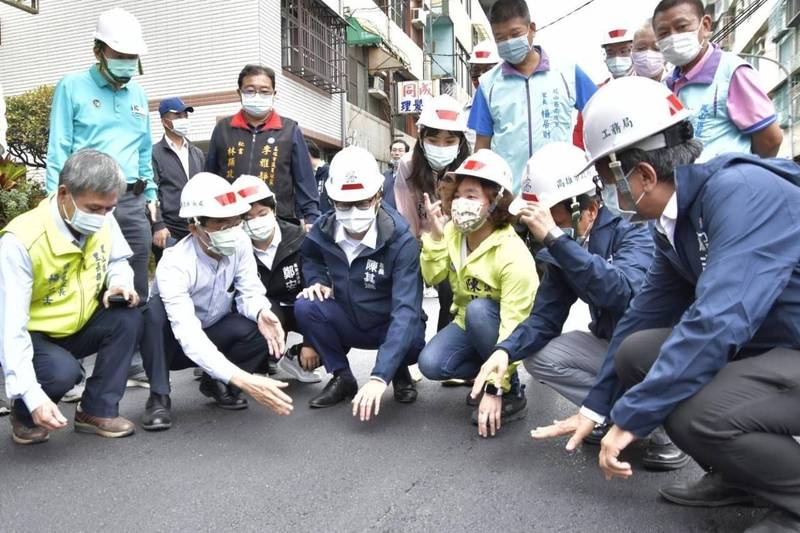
x=484, y=53
x=208, y=195
x=616, y=35
x=556, y=172
x=630, y=112
x=486, y=165
x=353, y=175
x=251, y=188
x=443, y=112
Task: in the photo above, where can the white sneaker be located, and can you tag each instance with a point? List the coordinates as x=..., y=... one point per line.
x=290, y=366
x=74, y=394
x=4, y=410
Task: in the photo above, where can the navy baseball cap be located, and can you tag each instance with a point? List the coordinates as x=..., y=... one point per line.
x=173, y=104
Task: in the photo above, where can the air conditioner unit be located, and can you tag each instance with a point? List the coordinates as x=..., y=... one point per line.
x=419, y=18
x=377, y=87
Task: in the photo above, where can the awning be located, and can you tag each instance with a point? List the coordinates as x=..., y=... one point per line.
x=383, y=55
x=358, y=36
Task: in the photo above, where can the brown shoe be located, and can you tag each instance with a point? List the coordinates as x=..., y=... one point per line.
x=23, y=434
x=112, y=428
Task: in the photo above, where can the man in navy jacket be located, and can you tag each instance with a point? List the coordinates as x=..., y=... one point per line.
x=589, y=253
x=364, y=290
x=710, y=347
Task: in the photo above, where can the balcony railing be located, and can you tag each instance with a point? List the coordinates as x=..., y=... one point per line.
x=313, y=43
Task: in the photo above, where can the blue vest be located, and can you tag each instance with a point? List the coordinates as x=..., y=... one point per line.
x=529, y=112
x=708, y=104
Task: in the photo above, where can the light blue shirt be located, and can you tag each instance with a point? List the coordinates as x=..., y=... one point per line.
x=198, y=291
x=88, y=113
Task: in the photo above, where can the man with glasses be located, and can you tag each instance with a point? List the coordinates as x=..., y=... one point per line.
x=189, y=320
x=363, y=288
x=257, y=141
x=67, y=292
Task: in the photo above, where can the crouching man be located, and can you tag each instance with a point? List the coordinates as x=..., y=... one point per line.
x=361, y=265
x=189, y=322
x=66, y=292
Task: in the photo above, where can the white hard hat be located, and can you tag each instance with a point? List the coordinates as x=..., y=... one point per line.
x=617, y=35
x=484, y=53
x=555, y=173
x=208, y=195
x=487, y=165
x=629, y=112
x=443, y=112
x=121, y=31
x=251, y=188
x=353, y=175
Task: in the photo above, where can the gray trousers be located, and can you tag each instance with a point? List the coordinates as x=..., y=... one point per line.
x=569, y=364
x=739, y=424
x=131, y=215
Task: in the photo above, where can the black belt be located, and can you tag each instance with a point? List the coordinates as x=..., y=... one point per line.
x=137, y=187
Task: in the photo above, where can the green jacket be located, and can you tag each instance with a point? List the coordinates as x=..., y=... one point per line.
x=501, y=269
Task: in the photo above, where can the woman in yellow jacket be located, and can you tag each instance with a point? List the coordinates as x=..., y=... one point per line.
x=493, y=277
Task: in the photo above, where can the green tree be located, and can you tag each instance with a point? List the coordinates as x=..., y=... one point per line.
x=28, y=117
x=17, y=193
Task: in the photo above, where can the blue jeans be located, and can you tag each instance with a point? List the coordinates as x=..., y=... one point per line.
x=459, y=353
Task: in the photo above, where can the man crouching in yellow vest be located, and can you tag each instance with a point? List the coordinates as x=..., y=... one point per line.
x=58, y=263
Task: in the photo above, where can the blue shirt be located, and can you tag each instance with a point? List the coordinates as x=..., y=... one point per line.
x=88, y=113
x=522, y=114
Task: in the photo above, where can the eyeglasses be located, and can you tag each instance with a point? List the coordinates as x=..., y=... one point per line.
x=253, y=92
x=363, y=205
x=208, y=227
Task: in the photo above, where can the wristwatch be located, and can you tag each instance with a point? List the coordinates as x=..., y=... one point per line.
x=492, y=390
x=552, y=236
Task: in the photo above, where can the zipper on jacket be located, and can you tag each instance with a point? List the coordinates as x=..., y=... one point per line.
x=252, y=153
x=530, y=125
x=81, y=268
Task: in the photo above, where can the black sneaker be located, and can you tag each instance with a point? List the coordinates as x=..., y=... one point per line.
x=515, y=407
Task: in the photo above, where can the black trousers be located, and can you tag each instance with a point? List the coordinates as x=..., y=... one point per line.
x=741, y=423
x=236, y=336
x=114, y=335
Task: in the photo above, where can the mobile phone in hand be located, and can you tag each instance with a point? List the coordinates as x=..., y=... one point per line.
x=117, y=300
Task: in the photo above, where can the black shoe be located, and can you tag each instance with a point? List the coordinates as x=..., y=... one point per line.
x=710, y=491
x=597, y=434
x=515, y=407
x=156, y=413
x=661, y=454
x=337, y=390
x=222, y=394
x=404, y=389
x=776, y=521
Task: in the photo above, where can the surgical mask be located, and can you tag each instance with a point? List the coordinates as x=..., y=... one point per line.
x=180, y=126
x=467, y=214
x=648, y=63
x=83, y=222
x=122, y=69
x=356, y=220
x=514, y=50
x=257, y=105
x=681, y=48
x=261, y=228
x=440, y=156
x=224, y=241
x=619, y=66
x=611, y=201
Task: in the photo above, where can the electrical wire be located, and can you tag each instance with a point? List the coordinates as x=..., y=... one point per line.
x=562, y=17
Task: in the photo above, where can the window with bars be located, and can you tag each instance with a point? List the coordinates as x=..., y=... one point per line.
x=399, y=12
x=313, y=44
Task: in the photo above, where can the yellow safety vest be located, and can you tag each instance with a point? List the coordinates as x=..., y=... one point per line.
x=67, y=280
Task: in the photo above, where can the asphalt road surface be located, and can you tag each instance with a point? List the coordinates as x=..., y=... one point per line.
x=419, y=467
